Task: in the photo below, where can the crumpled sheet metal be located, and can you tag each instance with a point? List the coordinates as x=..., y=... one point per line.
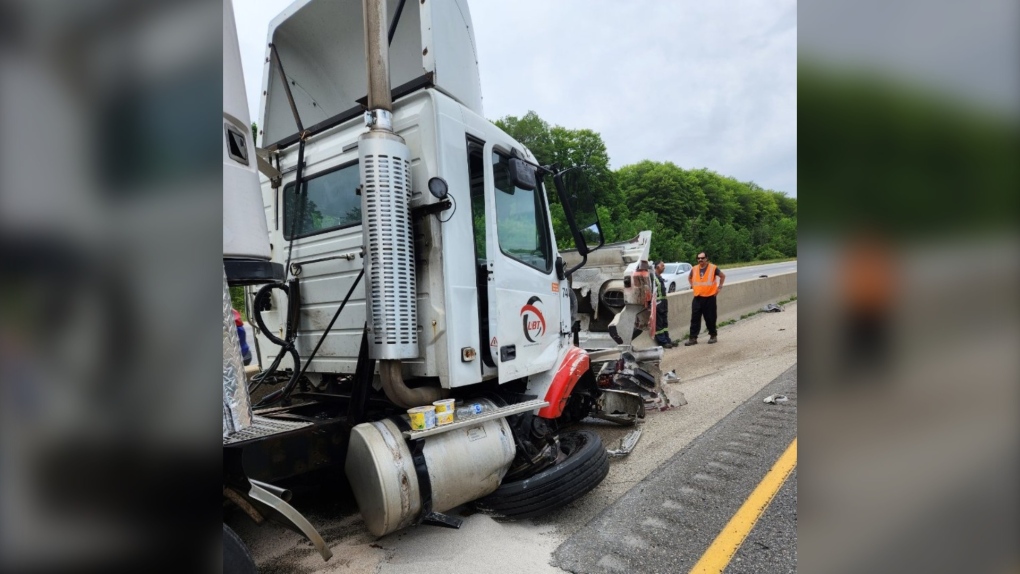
x=624, y=407
x=237, y=413
x=627, y=443
x=586, y=282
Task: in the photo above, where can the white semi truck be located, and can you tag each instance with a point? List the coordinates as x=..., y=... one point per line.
x=403, y=253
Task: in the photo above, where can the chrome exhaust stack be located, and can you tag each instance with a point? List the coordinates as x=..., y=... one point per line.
x=385, y=166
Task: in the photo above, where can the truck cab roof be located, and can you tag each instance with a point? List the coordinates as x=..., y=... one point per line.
x=321, y=46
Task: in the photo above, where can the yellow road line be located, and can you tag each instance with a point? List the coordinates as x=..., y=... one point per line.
x=725, y=545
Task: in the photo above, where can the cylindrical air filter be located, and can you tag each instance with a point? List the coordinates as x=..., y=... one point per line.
x=389, y=246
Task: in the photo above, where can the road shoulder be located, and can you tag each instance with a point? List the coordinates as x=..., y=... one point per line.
x=666, y=521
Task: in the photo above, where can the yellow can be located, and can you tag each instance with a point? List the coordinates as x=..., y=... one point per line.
x=444, y=411
x=422, y=418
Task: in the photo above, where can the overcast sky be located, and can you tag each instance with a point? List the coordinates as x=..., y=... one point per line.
x=700, y=84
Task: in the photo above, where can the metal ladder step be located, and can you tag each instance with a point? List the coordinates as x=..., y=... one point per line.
x=262, y=427
x=464, y=422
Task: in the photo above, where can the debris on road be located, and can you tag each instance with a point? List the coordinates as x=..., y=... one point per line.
x=674, y=396
x=772, y=308
x=627, y=443
x=773, y=399
x=620, y=407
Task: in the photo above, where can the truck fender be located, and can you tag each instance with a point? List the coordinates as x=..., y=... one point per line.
x=572, y=366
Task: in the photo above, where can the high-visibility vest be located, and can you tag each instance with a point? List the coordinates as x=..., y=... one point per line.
x=704, y=285
x=660, y=288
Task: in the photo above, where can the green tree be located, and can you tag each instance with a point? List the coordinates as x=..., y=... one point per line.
x=531, y=131
x=237, y=300
x=686, y=210
x=713, y=241
x=784, y=237
x=565, y=148
x=585, y=150
x=665, y=189
x=720, y=194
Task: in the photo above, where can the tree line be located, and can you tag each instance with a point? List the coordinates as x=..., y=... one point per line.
x=687, y=210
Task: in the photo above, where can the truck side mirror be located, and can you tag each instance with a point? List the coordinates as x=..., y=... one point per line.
x=582, y=211
x=579, y=208
x=522, y=175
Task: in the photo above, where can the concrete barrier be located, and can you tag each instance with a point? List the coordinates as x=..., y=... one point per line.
x=735, y=300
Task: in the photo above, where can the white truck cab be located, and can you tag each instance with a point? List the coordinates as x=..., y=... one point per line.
x=418, y=259
x=491, y=300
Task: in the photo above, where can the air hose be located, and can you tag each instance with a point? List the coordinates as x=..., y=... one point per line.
x=293, y=292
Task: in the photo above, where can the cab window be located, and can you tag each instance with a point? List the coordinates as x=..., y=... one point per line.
x=521, y=224
x=330, y=202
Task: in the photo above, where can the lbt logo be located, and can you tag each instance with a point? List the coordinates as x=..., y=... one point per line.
x=533, y=320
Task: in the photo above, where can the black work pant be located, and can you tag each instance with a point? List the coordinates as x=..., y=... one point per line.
x=703, y=307
x=662, y=322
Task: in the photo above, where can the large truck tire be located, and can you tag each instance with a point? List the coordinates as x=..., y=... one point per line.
x=582, y=466
x=236, y=557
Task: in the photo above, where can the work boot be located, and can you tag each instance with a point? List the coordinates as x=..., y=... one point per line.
x=691, y=342
x=712, y=339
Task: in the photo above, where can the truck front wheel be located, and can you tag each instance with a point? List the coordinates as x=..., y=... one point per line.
x=581, y=465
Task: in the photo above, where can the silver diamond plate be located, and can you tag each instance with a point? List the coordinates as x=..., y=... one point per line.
x=263, y=427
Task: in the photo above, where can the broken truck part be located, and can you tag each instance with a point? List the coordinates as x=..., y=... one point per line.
x=598, y=287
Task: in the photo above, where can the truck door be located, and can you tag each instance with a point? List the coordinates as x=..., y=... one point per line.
x=524, y=298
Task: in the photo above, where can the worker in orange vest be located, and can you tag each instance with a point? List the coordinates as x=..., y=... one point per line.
x=703, y=282
x=869, y=289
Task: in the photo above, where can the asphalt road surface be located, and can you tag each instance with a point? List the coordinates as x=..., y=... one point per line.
x=660, y=509
x=668, y=521
x=755, y=271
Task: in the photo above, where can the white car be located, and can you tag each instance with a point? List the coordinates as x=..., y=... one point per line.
x=675, y=276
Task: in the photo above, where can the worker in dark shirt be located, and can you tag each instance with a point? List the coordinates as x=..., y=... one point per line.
x=661, y=309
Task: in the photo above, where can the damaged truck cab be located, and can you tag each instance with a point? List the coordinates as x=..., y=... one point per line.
x=405, y=256
x=486, y=297
x=411, y=259
x=489, y=300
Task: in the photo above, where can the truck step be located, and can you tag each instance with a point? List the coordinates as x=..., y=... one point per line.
x=464, y=422
x=262, y=427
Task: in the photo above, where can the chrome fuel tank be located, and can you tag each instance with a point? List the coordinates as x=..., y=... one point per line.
x=463, y=464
